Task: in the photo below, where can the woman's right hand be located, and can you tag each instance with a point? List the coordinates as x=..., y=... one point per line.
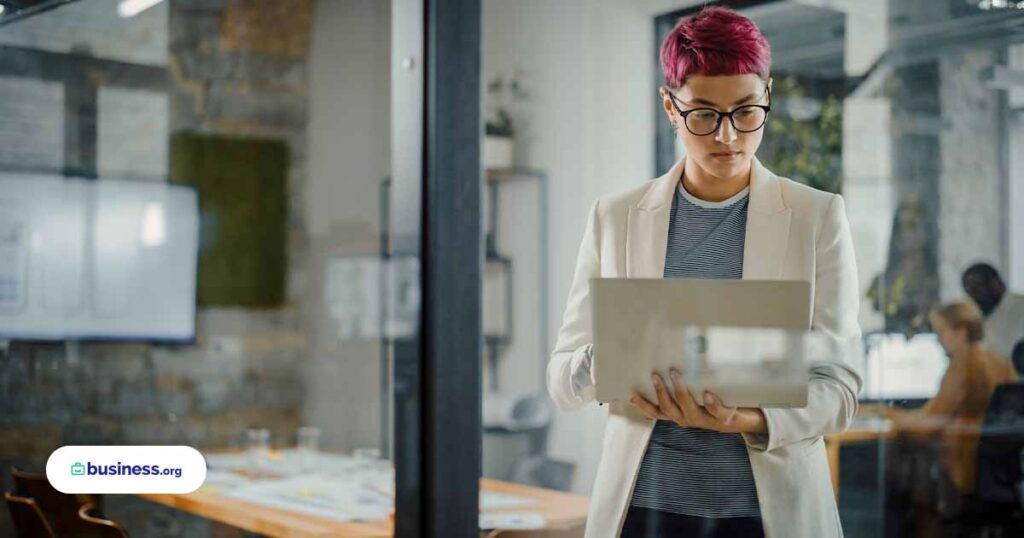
x=680, y=407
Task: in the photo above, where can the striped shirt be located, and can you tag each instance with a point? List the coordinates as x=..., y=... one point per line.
x=691, y=471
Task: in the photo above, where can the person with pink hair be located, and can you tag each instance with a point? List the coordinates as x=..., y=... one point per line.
x=687, y=465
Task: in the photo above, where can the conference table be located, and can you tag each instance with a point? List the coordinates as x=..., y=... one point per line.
x=288, y=502
x=348, y=497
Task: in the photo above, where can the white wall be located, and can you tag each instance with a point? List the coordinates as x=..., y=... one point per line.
x=349, y=121
x=349, y=154
x=1015, y=220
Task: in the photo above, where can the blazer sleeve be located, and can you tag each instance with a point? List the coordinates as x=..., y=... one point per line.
x=576, y=330
x=834, y=384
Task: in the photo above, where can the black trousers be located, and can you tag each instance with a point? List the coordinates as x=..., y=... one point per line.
x=647, y=523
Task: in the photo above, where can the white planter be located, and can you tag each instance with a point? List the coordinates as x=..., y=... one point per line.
x=497, y=152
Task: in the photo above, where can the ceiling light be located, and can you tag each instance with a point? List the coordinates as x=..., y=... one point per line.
x=2, y=8
x=131, y=8
x=987, y=5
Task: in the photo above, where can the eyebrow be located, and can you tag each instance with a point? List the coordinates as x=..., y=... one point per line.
x=700, y=101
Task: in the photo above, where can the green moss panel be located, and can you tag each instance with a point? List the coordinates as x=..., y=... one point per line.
x=243, y=201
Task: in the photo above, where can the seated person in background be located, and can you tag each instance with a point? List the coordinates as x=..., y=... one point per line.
x=957, y=411
x=1004, y=311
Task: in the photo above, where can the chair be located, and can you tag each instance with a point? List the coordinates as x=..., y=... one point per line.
x=1017, y=357
x=99, y=527
x=1000, y=447
x=543, y=472
x=997, y=501
x=29, y=521
x=60, y=509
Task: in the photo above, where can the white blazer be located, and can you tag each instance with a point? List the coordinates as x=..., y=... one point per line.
x=794, y=232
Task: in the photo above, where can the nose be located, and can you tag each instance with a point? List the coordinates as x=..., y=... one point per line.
x=726, y=133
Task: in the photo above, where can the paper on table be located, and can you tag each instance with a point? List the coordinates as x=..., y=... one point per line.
x=338, y=500
x=341, y=488
x=492, y=500
x=512, y=520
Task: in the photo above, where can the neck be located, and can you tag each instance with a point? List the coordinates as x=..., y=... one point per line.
x=711, y=188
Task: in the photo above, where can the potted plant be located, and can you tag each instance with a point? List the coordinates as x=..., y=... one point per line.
x=499, y=128
x=498, y=142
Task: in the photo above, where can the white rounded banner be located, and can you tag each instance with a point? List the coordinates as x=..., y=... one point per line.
x=126, y=469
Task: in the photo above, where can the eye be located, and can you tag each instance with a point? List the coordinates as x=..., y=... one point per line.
x=704, y=114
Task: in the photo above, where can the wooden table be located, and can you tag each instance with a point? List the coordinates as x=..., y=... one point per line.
x=862, y=429
x=565, y=514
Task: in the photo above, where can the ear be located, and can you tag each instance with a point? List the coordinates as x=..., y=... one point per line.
x=666, y=101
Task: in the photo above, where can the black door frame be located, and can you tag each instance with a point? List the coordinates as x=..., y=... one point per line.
x=436, y=219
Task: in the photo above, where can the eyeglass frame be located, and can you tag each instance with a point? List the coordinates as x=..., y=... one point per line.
x=718, y=123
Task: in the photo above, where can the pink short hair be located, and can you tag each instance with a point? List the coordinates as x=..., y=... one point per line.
x=716, y=41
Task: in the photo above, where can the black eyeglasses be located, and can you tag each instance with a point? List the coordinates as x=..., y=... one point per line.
x=704, y=121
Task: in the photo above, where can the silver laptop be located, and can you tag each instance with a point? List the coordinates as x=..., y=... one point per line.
x=745, y=340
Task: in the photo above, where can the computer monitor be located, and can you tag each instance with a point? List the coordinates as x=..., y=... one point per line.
x=898, y=368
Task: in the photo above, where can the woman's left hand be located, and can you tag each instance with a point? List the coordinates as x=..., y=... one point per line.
x=681, y=408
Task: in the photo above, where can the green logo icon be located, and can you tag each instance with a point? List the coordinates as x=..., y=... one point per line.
x=77, y=469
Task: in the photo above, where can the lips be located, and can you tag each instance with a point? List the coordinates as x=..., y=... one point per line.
x=726, y=154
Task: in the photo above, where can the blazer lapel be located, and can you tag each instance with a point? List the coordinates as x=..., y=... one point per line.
x=647, y=227
x=767, y=236
x=767, y=227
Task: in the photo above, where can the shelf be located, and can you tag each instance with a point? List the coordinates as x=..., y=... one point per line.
x=512, y=174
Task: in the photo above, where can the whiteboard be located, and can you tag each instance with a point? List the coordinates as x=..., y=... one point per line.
x=97, y=259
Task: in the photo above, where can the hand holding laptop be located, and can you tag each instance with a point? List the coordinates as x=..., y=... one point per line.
x=675, y=403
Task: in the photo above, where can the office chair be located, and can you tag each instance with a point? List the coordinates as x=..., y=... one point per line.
x=537, y=470
x=997, y=500
x=29, y=521
x=60, y=509
x=1000, y=445
x=99, y=527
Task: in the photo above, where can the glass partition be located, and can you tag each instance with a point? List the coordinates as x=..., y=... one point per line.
x=195, y=250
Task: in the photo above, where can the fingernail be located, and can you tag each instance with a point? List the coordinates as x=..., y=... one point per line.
x=656, y=379
x=708, y=398
x=675, y=374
